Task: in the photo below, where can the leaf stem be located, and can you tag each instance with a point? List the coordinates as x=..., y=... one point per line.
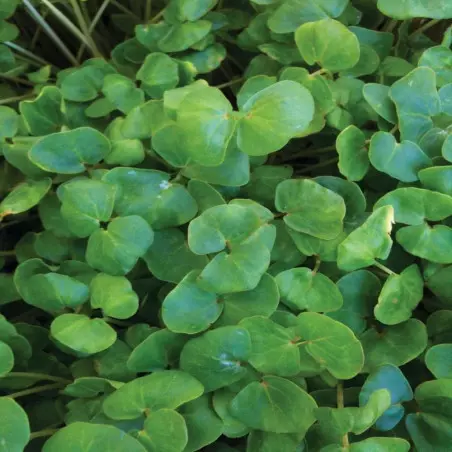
x=21, y=81
x=384, y=268
x=43, y=433
x=11, y=100
x=157, y=17
x=117, y=322
x=124, y=9
x=318, y=261
x=232, y=82
x=7, y=253
x=35, y=390
x=309, y=152
x=340, y=404
x=147, y=10
x=424, y=28
x=28, y=54
x=40, y=376
x=319, y=72
x=46, y=27
x=318, y=165
x=390, y=25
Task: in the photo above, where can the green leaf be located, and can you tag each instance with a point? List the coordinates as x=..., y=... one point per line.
x=8, y=291
x=437, y=178
x=24, y=196
x=428, y=242
x=149, y=194
x=90, y=438
x=82, y=334
x=439, y=59
x=69, y=152
x=262, y=301
x=414, y=205
x=400, y=296
x=407, y=9
x=164, y=431
x=272, y=116
x=368, y=242
x=183, y=35
x=169, y=258
x=416, y=100
x=274, y=405
x=6, y=359
x=158, y=73
x=397, y=344
x=190, y=10
x=122, y=92
x=267, y=442
x=206, y=125
x=207, y=60
x=116, y=250
x=15, y=429
x=438, y=360
x=203, y=425
x=329, y=44
x=381, y=445
x=87, y=387
x=164, y=389
x=44, y=114
x=402, y=161
x=378, y=98
x=290, y=14
x=303, y=289
x=353, y=154
x=52, y=292
x=188, y=308
x=114, y=295
x=300, y=200
x=205, y=195
x=274, y=348
x=232, y=428
x=85, y=203
x=157, y=351
x=332, y=344
x=216, y=358
x=10, y=123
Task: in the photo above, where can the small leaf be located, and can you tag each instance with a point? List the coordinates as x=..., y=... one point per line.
x=188, y=308
x=329, y=44
x=183, y=35
x=165, y=389
x=24, y=196
x=300, y=199
x=332, y=344
x=273, y=116
x=69, y=152
x=15, y=429
x=82, y=334
x=90, y=438
x=117, y=249
x=378, y=98
x=274, y=405
x=216, y=358
x=122, y=92
x=438, y=360
x=114, y=295
x=6, y=359
x=302, y=289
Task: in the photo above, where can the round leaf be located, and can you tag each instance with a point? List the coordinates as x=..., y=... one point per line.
x=15, y=428
x=6, y=359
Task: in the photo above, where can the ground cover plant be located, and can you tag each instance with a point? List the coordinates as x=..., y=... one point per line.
x=226, y=225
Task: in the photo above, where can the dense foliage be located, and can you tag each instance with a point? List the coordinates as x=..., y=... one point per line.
x=226, y=225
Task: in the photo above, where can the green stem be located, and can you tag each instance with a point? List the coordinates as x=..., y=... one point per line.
x=38, y=60
x=43, y=433
x=309, y=152
x=46, y=27
x=157, y=17
x=318, y=261
x=85, y=29
x=232, y=82
x=318, y=165
x=394, y=129
x=384, y=268
x=319, y=72
x=21, y=81
x=35, y=390
x=116, y=322
x=124, y=9
x=390, y=26
x=7, y=253
x=11, y=100
x=148, y=10
x=425, y=27
x=40, y=376
x=340, y=404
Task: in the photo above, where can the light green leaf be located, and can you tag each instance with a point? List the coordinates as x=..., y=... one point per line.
x=217, y=357
x=368, y=242
x=437, y=178
x=438, y=360
x=232, y=428
x=69, y=152
x=165, y=389
x=122, y=92
x=274, y=405
x=273, y=116
x=378, y=98
x=15, y=427
x=300, y=200
x=408, y=9
x=302, y=289
x=183, y=35
x=24, y=196
x=81, y=334
x=329, y=44
x=114, y=295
